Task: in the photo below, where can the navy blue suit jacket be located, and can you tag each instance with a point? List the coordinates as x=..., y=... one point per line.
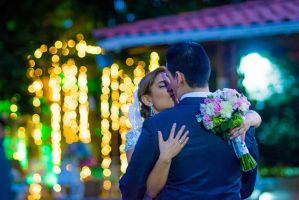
x=206, y=168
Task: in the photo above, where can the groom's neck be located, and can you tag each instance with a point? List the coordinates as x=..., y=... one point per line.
x=189, y=90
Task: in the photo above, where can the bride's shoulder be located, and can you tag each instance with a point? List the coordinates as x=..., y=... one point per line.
x=132, y=138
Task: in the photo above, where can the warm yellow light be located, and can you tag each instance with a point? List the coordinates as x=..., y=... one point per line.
x=38, y=72
x=137, y=80
x=21, y=132
x=37, y=134
x=107, y=185
x=114, y=85
x=154, y=55
x=123, y=98
x=127, y=80
x=58, y=44
x=36, y=102
x=35, y=118
x=36, y=178
x=80, y=36
x=31, y=89
x=57, y=188
x=57, y=70
x=55, y=58
x=43, y=48
x=107, y=172
x=106, y=71
x=13, y=115
x=53, y=50
x=106, y=162
x=86, y=171
x=98, y=50
x=31, y=63
x=81, y=46
x=13, y=108
x=123, y=167
x=35, y=188
x=114, y=70
x=122, y=87
x=38, y=53
x=39, y=93
x=30, y=72
x=142, y=63
x=106, y=149
x=129, y=61
x=122, y=147
x=105, y=80
x=115, y=126
x=38, y=142
x=15, y=156
x=81, y=54
x=71, y=43
x=65, y=52
x=37, y=85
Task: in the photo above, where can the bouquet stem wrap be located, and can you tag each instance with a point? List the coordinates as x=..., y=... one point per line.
x=247, y=161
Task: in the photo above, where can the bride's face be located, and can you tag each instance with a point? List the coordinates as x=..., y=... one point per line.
x=160, y=98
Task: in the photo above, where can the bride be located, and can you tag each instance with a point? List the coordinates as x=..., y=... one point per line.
x=154, y=97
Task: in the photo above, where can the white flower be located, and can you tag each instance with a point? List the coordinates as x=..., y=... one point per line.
x=227, y=109
x=244, y=107
x=210, y=109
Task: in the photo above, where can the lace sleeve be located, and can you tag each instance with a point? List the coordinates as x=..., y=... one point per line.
x=131, y=139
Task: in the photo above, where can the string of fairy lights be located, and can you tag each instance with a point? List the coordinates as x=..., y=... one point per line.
x=105, y=128
x=64, y=88
x=63, y=85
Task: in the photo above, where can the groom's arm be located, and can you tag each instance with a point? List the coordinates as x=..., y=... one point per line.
x=133, y=182
x=249, y=178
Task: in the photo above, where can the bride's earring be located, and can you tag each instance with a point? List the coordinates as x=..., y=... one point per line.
x=152, y=111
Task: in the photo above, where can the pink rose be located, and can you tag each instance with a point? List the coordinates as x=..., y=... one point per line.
x=207, y=119
x=217, y=108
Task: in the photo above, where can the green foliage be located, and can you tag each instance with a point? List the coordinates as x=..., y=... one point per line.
x=278, y=135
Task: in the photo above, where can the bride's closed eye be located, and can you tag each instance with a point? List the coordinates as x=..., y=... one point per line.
x=162, y=84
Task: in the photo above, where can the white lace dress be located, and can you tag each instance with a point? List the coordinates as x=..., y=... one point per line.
x=132, y=137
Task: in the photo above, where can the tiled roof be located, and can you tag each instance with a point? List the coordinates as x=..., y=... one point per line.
x=251, y=13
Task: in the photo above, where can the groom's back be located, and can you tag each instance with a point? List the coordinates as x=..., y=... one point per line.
x=207, y=167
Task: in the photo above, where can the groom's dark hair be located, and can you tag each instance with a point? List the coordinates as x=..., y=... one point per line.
x=191, y=59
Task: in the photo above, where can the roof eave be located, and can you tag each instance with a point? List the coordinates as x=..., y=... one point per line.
x=213, y=34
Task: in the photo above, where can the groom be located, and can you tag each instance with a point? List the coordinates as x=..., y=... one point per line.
x=207, y=167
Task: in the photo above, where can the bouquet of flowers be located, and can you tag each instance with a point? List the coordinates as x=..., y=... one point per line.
x=224, y=110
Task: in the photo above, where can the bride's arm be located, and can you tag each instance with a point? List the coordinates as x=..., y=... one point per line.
x=168, y=150
x=132, y=137
x=253, y=118
x=129, y=154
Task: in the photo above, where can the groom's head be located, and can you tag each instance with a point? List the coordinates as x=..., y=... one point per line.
x=189, y=66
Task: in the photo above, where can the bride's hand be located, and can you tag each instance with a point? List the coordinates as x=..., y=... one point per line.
x=171, y=147
x=241, y=130
x=252, y=118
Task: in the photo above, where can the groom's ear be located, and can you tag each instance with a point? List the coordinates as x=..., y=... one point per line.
x=179, y=78
x=147, y=100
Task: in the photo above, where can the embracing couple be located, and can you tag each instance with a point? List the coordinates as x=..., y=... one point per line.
x=172, y=156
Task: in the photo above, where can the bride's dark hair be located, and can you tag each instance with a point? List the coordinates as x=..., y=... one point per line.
x=145, y=89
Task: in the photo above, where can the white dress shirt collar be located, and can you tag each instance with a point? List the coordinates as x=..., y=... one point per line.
x=195, y=94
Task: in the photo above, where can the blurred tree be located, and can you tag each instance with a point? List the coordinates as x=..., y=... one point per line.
x=26, y=25
x=278, y=136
